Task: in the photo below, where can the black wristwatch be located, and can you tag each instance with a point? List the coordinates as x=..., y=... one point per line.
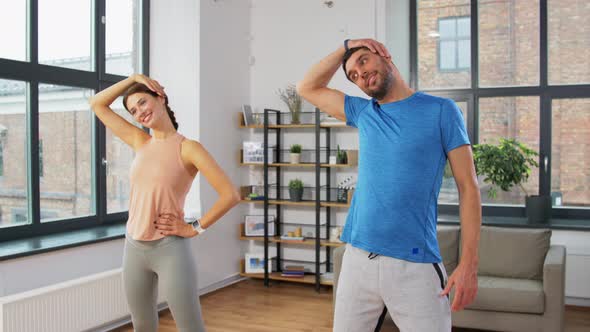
x=197, y=226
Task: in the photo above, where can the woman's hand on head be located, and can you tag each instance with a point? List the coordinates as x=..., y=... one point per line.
x=150, y=83
x=170, y=224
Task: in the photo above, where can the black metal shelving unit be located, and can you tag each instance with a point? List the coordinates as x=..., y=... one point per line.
x=277, y=130
x=322, y=198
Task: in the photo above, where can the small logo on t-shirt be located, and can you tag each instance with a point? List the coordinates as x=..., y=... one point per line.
x=415, y=251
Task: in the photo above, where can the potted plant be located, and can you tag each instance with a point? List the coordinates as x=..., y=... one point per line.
x=341, y=156
x=509, y=164
x=293, y=101
x=295, y=190
x=295, y=153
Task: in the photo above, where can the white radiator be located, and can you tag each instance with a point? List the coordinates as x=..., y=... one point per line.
x=93, y=303
x=75, y=305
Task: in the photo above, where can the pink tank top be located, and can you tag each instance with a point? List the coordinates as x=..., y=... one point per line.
x=159, y=184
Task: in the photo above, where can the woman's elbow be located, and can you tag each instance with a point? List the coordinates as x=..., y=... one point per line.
x=234, y=197
x=91, y=102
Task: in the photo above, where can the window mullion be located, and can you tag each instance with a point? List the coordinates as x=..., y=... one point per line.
x=33, y=153
x=474, y=20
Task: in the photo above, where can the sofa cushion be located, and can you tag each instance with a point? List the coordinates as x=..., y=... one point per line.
x=509, y=295
x=513, y=253
x=448, y=243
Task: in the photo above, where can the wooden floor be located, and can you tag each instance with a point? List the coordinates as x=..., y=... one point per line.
x=250, y=307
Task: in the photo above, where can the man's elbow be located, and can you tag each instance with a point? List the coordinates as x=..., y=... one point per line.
x=469, y=188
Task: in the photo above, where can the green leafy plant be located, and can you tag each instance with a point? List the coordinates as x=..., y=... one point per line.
x=296, y=184
x=295, y=148
x=293, y=100
x=341, y=156
x=504, y=165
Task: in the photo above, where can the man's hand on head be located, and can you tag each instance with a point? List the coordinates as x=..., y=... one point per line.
x=373, y=45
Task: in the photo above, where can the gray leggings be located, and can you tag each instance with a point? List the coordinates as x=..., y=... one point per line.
x=169, y=263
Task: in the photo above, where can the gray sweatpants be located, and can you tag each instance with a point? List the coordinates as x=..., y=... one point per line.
x=368, y=283
x=169, y=264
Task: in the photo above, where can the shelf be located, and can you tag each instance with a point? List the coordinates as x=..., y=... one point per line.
x=301, y=224
x=246, y=190
x=310, y=165
x=307, y=278
x=351, y=155
x=277, y=239
x=303, y=203
x=303, y=125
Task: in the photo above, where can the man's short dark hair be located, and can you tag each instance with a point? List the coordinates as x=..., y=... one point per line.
x=347, y=56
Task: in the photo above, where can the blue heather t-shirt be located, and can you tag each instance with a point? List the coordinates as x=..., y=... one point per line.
x=402, y=155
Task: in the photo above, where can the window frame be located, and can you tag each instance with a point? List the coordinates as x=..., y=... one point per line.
x=32, y=74
x=455, y=39
x=1, y=159
x=543, y=90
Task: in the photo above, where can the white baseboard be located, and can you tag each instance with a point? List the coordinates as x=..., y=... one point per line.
x=221, y=284
x=163, y=306
x=577, y=301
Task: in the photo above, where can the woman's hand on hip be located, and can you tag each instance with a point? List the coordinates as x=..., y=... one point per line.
x=169, y=224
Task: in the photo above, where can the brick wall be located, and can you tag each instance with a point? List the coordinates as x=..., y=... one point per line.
x=509, y=56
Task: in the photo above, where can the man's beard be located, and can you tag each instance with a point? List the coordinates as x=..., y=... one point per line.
x=383, y=88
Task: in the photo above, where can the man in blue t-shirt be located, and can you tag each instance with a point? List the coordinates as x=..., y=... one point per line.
x=392, y=257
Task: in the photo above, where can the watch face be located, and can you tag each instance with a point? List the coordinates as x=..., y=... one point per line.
x=197, y=226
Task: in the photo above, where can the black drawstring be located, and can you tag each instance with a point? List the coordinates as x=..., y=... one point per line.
x=372, y=255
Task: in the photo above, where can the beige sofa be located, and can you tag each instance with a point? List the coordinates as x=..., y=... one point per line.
x=521, y=279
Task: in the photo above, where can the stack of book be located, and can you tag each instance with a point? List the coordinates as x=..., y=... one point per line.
x=293, y=271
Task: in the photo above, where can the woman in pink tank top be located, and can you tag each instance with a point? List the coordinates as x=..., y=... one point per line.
x=157, y=251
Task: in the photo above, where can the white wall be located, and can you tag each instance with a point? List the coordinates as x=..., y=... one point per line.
x=22, y=274
x=174, y=62
x=224, y=87
x=577, y=283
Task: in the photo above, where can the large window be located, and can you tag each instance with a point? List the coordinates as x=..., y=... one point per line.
x=510, y=117
x=119, y=157
x=570, y=147
x=454, y=44
x=525, y=75
x=60, y=169
x=569, y=41
x=66, y=43
x=13, y=24
x=123, y=45
x=65, y=160
x=508, y=43
x=13, y=138
x=1, y=160
x=443, y=44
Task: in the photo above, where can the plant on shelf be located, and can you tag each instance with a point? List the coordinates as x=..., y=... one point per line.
x=295, y=153
x=295, y=190
x=507, y=165
x=341, y=156
x=293, y=101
